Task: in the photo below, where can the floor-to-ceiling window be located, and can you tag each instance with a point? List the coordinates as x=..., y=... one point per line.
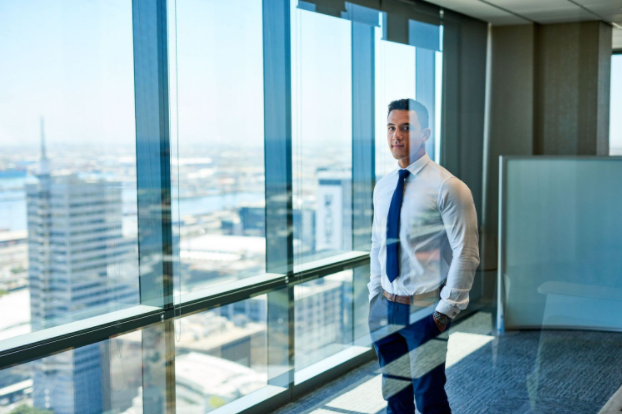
x=408, y=70
x=615, y=126
x=217, y=135
x=185, y=195
x=321, y=133
x=68, y=191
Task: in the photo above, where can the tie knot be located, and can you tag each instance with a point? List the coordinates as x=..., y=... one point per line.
x=404, y=173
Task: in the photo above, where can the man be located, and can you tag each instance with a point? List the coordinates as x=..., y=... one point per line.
x=423, y=258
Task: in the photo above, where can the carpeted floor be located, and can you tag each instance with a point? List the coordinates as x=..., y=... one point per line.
x=518, y=373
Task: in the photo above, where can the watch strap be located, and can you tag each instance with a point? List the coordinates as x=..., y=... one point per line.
x=441, y=318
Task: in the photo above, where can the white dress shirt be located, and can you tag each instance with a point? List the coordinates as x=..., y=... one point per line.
x=438, y=236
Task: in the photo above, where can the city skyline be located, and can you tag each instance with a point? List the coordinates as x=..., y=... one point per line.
x=75, y=227
x=201, y=265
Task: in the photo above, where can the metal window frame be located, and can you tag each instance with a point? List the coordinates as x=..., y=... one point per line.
x=154, y=199
x=29, y=347
x=364, y=22
x=157, y=310
x=153, y=180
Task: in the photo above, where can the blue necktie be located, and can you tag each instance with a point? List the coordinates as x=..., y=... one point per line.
x=393, y=228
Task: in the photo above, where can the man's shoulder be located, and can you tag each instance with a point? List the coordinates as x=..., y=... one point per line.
x=450, y=186
x=436, y=173
x=446, y=183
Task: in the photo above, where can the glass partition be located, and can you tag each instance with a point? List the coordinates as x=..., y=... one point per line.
x=559, y=243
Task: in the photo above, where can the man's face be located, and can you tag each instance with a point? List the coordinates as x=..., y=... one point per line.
x=404, y=135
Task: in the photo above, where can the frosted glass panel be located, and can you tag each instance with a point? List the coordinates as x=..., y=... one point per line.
x=561, y=242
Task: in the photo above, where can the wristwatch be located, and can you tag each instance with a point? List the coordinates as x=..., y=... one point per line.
x=442, y=319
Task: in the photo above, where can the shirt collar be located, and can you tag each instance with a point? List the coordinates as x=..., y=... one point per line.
x=416, y=166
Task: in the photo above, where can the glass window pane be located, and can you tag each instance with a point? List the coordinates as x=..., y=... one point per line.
x=615, y=130
x=322, y=134
x=68, y=220
x=217, y=159
x=93, y=379
x=392, y=82
x=323, y=312
x=221, y=355
x=399, y=81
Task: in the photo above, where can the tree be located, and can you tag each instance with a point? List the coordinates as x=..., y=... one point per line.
x=25, y=409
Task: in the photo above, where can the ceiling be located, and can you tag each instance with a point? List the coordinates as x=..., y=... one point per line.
x=504, y=12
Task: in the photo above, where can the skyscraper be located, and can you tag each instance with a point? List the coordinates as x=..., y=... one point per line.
x=334, y=211
x=76, y=256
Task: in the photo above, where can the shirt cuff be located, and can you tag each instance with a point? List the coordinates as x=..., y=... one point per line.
x=447, y=309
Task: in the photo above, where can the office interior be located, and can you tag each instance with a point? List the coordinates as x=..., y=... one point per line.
x=186, y=200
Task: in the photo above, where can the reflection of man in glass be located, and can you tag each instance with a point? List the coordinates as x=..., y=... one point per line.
x=424, y=247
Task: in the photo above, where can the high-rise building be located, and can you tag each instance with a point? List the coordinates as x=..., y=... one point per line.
x=333, y=226
x=76, y=258
x=304, y=218
x=323, y=313
x=253, y=217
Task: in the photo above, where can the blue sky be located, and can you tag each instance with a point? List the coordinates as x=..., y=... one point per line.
x=72, y=62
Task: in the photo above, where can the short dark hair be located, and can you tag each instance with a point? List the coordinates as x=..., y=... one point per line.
x=411, y=105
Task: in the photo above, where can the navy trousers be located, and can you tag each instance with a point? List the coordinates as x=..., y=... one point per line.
x=412, y=358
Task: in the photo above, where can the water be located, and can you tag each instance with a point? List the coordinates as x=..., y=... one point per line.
x=13, y=183
x=13, y=211
x=13, y=203
x=208, y=204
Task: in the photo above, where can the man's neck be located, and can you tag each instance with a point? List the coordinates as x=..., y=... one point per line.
x=405, y=162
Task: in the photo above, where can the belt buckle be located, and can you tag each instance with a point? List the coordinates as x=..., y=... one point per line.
x=394, y=297
x=390, y=296
x=404, y=300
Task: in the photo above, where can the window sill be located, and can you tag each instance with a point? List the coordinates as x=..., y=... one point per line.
x=313, y=371
x=31, y=346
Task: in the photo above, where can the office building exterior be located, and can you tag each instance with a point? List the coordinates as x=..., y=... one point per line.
x=334, y=211
x=76, y=249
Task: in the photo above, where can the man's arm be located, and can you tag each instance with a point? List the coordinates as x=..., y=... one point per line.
x=460, y=220
x=374, y=285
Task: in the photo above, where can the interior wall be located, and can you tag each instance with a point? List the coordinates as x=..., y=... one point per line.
x=549, y=95
x=464, y=84
x=573, y=63
x=511, y=119
x=464, y=98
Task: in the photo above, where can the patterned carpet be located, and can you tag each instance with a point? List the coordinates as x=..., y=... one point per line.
x=527, y=372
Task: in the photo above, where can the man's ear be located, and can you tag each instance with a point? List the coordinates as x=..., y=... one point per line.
x=427, y=132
